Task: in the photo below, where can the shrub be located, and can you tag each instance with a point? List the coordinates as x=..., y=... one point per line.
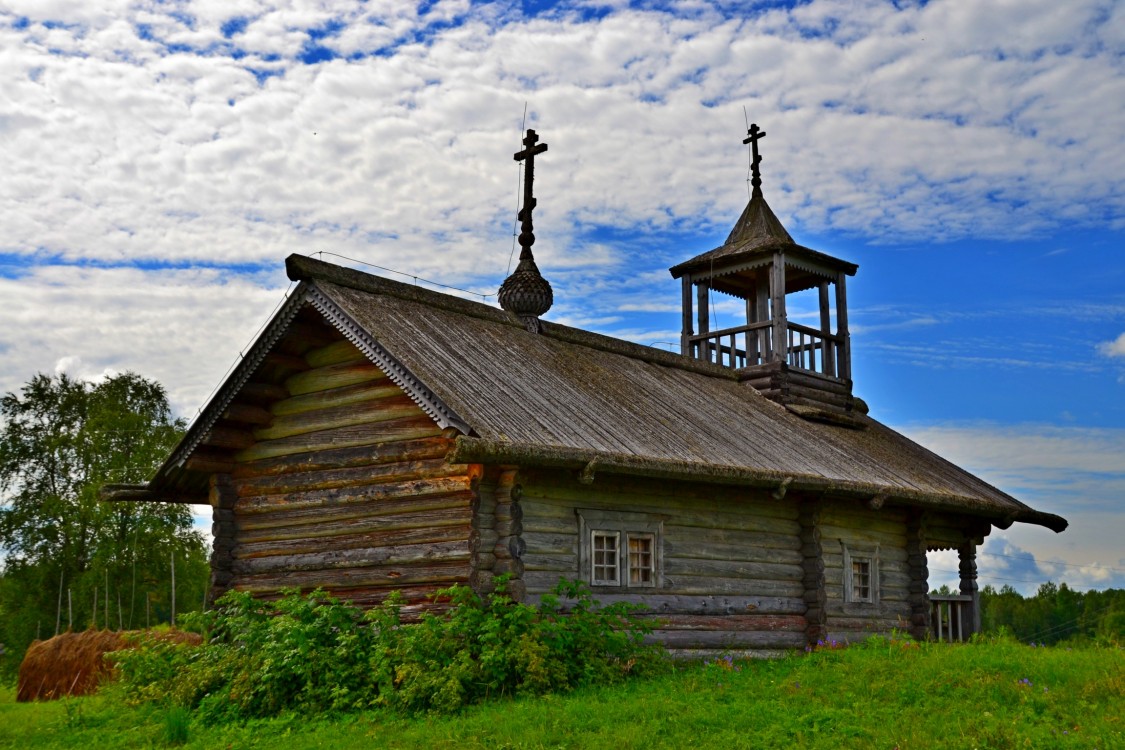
x=313, y=653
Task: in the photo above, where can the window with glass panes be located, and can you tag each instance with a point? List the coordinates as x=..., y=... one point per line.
x=861, y=580
x=605, y=557
x=620, y=548
x=642, y=559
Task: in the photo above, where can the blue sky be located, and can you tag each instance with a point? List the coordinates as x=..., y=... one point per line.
x=162, y=158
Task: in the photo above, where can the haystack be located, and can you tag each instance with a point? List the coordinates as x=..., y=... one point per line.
x=74, y=663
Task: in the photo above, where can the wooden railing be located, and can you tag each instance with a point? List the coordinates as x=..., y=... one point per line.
x=749, y=345
x=949, y=617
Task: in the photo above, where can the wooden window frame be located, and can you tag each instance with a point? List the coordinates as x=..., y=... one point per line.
x=595, y=535
x=626, y=525
x=861, y=554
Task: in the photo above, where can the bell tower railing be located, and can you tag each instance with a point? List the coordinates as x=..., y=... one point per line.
x=752, y=345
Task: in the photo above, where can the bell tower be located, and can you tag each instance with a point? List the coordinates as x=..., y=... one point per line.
x=805, y=367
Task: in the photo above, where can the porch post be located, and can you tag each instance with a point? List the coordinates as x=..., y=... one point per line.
x=967, y=567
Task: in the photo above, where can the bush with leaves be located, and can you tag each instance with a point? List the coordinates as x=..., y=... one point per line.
x=315, y=654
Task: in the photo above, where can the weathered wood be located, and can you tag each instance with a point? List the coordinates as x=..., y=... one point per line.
x=431, y=468
x=384, y=537
x=320, y=521
x=674, y=566
x=335, y=397
x=210, y=461
x=335, y=353
x=740, y=622
x=247, y=414
x=566, y=563
x=348, y=577
x=354, y=525
x=221, y=496
x=549, y=543
x=727, y=639
x=337, y=559
x=290, y=501
x=365, y=434
x=221, y=436
x=815, y=591
x=676, y=546
x=262, y=393
x=663, y=603
x=285, y=362
x=332, y=376
x=344, y=458
x=381, y=410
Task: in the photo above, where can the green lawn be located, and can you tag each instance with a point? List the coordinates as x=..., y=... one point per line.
x=996, y=695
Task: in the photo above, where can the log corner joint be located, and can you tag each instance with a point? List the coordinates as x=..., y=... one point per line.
x=586, y=476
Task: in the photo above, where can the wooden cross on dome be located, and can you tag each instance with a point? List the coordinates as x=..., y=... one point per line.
x=753, y=135
x=531, y=149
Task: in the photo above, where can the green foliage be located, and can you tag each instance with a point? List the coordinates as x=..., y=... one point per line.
x=1056, y=613
x=314, y=654
x=887, y=692
x=61, y=440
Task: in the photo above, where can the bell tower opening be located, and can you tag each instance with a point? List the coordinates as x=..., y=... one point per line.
x=801, y=366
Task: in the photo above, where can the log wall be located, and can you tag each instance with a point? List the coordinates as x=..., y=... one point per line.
x=346, y=488
x=733, y=570
x=866, y=531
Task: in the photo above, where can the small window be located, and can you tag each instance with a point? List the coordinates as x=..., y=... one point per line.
x=620, y=549
x=861, y=580
x=642, y=560
x=861, y=573
x=606, y=554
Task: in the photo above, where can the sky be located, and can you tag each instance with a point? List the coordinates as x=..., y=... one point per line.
x=162, y=158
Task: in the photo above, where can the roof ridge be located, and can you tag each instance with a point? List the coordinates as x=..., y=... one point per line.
x=305, y=268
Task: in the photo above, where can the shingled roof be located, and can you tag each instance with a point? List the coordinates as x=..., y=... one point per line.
x=570, y=398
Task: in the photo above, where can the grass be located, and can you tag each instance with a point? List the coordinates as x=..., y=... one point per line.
x=881, y=695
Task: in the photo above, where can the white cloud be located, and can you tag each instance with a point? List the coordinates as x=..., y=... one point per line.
x=1114, y=348
x=1057, y=469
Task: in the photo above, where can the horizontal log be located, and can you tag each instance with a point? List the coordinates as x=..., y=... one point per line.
x=372, y=433
x=210, y=461
x=886, y=610
x=671, y=604
x=733, y=569
x=633, y=494
x=724, y=540
x=727, y=639
x=285, y=362
x=357, y=516
x=862, y=536
x=333, y=376
x=247, y=414
x=344, y=458
x=369, y=539
x=358, y=476
x=550, y=544
x=291, y=501
x=890, y=558
x=339, y=559
x=565, y=564
x=262, y=393
x=394, y=575
x=686, y=585
x=222, y=436
x=336, y=397
x=760, y=622
x=335, y=353
x=382, y=410
x=676, y=547
x=320, y=528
